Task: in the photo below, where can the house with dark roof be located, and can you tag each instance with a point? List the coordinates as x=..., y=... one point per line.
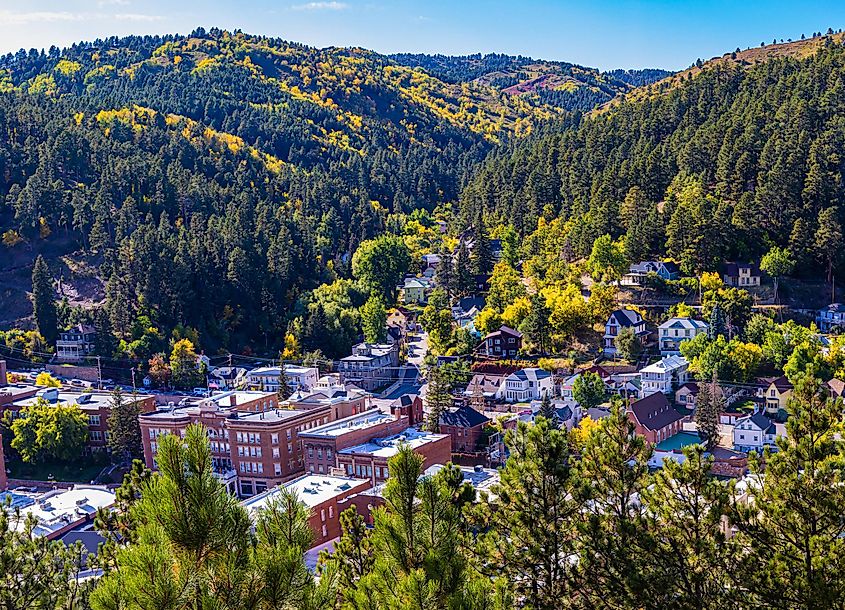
x=741, y=275
x=619, y=319
x=638, y=272
x=674, y=331
x=754, y=433
x=688, y=392
x=655, y=418
x=465, y=425
x=832, y=316
x=227, y=378
x=503, y=343
x=526, y=384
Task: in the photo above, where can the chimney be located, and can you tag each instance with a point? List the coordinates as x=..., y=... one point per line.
x=233, y=400
x=3, y=378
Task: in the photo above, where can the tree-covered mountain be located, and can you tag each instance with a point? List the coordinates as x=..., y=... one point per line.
x=210, y=179
x=722, y=162
x=561, y=84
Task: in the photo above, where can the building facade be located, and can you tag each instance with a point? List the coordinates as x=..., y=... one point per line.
x=502, y=343
x=666, y=375
x=76, y=343
x=654, y=418
x=371, y=365
x=619, y=319
x=674, y=331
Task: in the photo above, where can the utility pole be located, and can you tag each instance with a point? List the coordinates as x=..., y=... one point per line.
x=99, y=374
x=133, y=379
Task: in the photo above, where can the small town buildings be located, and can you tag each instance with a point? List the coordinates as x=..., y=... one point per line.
x=525, y=385
x=665, y=375
x=96, y=406
x=60, y=510
x=321, y=495
x=502, y=343
x=487, y=384
x=76, y=343
x=414, y=290
x=619, y=319
x=754, y=433
x=402, y=319
x=466, y=305
x=16, y=391
x=687, y=393
x=369, y=460
x=251, y=451
x=342, y=400
x=430, y=261
x=832, y=316
x=638, y=272
x=371, y=365
x=227, y=378
x=654, y=418
x=465, y=426
x=676, y=330
x=321, y=444
x=298, y=377
x=742, y=275
x=775, y=392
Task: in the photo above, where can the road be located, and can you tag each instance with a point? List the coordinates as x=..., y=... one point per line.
x=417, y=348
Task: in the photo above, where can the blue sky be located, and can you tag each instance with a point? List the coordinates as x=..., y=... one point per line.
x=607, y=34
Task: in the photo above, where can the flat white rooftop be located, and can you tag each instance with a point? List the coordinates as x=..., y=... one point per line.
x=56, y=509
x=389, y=446
x=311, y=489
x=362, y=421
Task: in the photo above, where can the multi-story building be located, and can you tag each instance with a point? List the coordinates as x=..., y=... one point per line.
x=754, y=432
x=299, y=378
x=465, y=426
x=503, y=343
x=251, y=450
x=526, y=384
x=227, y=378
x=321, y=445
x=666, y=375
x=654, y=418
x=676, y=330
x=369, y=460
x=371, y=365
x=741, y=274
x=76, y=343
x=775, y=393
x=96, y=406
x=321, y=495
x=343, y=400
x=619, y=319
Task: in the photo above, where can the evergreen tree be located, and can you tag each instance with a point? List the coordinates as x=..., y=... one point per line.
x=445, y=272
x=44, y=301
x=482, y=256
x=106, y=343
x=526, y=532
x=707, y=407
x=790, y=524
x=547, y=410
x=284, y=390
x=691, y=564
x=717, y=326
x=464, y=282
x=352, y=556
x=613, y=535
x=536, y=325
x=828, y=241
x=628, y=344
x=438, y=397
x=124, y=429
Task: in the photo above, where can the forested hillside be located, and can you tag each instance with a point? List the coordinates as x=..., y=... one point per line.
x=563, y=85
x=730, y=160
x=213, y=178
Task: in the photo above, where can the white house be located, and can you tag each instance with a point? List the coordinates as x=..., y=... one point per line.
x=675, y=330
x=663, y=375
x=619, y=319
x=832, y=316
x=638, y=272
x=76, y=343
x=299, y=377
x=227, y=378
x=525, y=385
x=754, y=433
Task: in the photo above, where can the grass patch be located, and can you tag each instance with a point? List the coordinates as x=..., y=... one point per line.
x=82, y=471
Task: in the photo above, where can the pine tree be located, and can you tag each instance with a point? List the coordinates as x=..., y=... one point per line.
x=124, y=430
x=527, y=533
x=445, y=272
x=438, y=397
x=284, y=390
x=829, y=240
x=547, y=410
x=707, y=409
x=536, y=324
x=352, y=555
x=790, y=524
x=717, y=325
x=482, y=257
x=464, y=282
x=44, y=301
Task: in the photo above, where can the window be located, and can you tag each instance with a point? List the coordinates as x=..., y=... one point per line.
x=275, y=452
x=324, y=531
x=274, y=438
x=93, y=420
x=322, y=514
x=96, y=435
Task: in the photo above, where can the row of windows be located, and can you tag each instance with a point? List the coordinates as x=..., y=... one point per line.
x=256, y=467
x=319, y=453
x=362, y=470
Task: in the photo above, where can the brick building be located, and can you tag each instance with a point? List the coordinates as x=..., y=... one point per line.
x=655, y=418
x=341, y=399
x=321, y=494
x=96, y=406
x=464, y=425
x=369, y=459
x=251, y=450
